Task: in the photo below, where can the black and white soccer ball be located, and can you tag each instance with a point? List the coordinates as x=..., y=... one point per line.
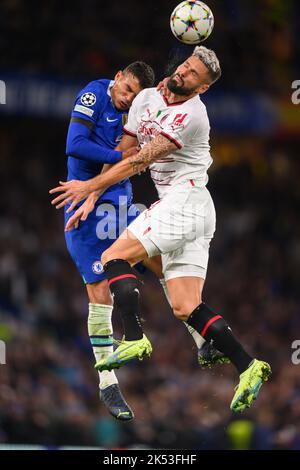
x=192, y=22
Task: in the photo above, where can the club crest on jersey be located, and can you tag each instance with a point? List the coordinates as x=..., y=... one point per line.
x=178, y=121
x=97, y=267
x=88, y=99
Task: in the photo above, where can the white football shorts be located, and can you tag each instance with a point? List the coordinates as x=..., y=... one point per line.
x=180, y=227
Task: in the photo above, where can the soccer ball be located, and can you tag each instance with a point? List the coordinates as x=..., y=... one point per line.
x=191, y=22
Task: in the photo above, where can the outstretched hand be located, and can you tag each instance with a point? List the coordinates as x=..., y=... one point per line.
x=71, y=191
x=82, y=212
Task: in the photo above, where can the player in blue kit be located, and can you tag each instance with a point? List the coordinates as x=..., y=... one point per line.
x=97, y=120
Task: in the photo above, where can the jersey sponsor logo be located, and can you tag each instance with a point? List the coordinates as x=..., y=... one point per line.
x=97, y=267
x=82, y=109
x=88, y=99
x=111, y=120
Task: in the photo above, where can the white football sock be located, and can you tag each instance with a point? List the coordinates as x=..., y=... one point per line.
x=100, y=333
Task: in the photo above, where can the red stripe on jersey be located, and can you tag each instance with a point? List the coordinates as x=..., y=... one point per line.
x=123, y=276
x=212, y=320
x=192, y=182
x=154, y=204
x=128, y=132
x=164, y=171
x=159, y=181
x=147, y=230
x=172, y=139
x=172, y=104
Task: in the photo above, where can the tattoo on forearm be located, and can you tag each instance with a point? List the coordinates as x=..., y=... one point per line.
x=158, y=148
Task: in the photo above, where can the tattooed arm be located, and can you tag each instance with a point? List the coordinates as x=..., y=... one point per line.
x=75, y=190
x=158, y=148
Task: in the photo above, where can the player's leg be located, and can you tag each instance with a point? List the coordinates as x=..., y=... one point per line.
x=154, y=265
x=185, y=273
x=192, y=258
x=100, y=326
x=84, y=247
x=134, y=245
x=124, y=286
x=186, y=298
x=101, y=337
x=185, y=294
x=207, y=353
x=195, y=335
x=133, y=252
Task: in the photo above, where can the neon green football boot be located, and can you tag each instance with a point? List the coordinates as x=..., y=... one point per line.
x=251, y=381
x=126, y=352
x=209, y=356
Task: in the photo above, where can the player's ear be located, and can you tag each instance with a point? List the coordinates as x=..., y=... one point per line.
x=118, y=75
x=203, y=88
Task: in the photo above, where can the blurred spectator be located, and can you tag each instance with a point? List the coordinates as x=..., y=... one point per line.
x=256, y=39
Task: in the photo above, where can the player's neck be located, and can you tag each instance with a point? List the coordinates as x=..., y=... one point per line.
x=113, y=95
x=173, y=98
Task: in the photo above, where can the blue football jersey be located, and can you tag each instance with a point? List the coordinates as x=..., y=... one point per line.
x=94, y=105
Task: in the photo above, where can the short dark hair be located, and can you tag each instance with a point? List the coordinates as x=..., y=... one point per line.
x=143, y=72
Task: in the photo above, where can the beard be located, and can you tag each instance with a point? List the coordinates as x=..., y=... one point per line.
x=178, y=88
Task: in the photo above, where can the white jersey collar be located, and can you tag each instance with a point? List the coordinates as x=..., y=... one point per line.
x=111, y=84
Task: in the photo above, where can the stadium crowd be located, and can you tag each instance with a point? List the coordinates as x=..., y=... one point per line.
x=53, y=39
x=48, y=388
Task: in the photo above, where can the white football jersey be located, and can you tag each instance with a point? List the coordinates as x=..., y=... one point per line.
x=184, y=123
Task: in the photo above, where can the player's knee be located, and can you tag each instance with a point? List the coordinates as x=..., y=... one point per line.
x=182, y=309
x=126, y=294
x=181, y=312
x=107, y=256
x=98, y=293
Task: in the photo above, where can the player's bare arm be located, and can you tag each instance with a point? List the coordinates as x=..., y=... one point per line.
x=160, y=147
x=128, y=147
x=76, y=190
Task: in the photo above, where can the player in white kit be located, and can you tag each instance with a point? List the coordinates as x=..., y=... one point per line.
x=182, y=224
x=173, y=134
